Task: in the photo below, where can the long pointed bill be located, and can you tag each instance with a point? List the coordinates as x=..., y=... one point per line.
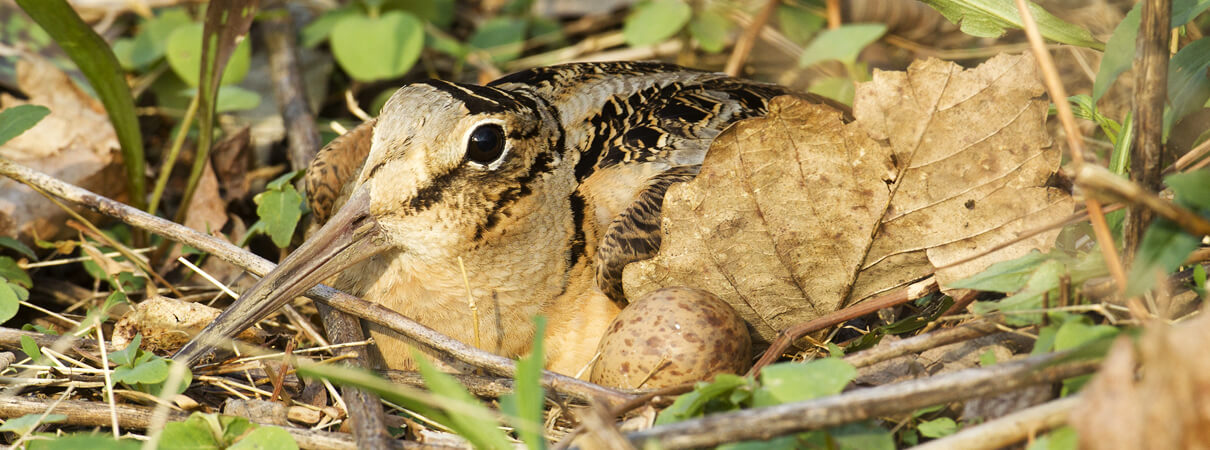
x=349, y=237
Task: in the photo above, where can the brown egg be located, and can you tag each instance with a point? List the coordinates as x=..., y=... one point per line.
x=672, y=336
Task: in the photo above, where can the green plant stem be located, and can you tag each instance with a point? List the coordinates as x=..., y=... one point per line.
x=170, y=159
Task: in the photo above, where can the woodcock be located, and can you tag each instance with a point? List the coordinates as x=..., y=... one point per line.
x=546, y=183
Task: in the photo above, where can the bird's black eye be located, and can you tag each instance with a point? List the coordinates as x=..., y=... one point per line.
x=486, y=144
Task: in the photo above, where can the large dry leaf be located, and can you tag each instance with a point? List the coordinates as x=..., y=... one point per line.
x=797, y=214
x=1153, y=393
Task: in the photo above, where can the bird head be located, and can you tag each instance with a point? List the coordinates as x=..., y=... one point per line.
x=448, y=167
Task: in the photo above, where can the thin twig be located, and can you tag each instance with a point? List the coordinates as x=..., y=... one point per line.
x=1075, y=142
x=744, y=45
x=1010, y=429
x=863, y=404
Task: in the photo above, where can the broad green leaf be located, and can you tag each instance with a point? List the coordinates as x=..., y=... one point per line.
x=25, y=424
x=266, y=437
x=283, y=180
x=991, y=18
x=840, y=89
x=192, y=434
x=502, y=37
x=1191, y=188
x=86, y=441
x=31, y=348
x=1043, y=281
x=1075, y=333
x=940, y=427
x=148, y=46
x=319, y=29
x=96, y=60
x=654, y=21
x=1045, y=341
x=235, y=98
x=710, y=29
x=280, y=210
x=9, y=302
x=18, y=119
x=481, y=432
x=1005, y=276
x=436, y=12
x=184, y=53
x=1188, y=86
x=127, y=355
x=147, y=372
x=14, y=244
x=842, y=44
x=377, y=48
x=1164, y=248
x=988, y=358
x=861, y=436
x=792, y=382
x=14, y=273
x=696, y=403
x=798, y=23
x=1064, y=438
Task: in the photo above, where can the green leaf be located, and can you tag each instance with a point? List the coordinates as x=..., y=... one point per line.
x=1191, y=188
x=95, y=59
x=710, y=29
x=184, y=52
x=1043, y=281
x=436, y=12
x=1119, y=52
x=1085, y=108
x=791, y=382
x=25, y=424
x=377, y=48
x=235, y=98
x=940, y=427
x=31, y=348
x=842, y=44
x=147, y=372
x=148, y=46
x=280, y=210
x=1164, y=248
x=1188, y=86
x=14, y=244
x=798, y=23
x=697, y=403
x=841, y=89
x=861, y=436
x=502, y=37
x=266, y=437
x=82, y=440
x=991, y=18
x=479, y=431
x=18, y=119
x=988, y=358
x=1046, y=340
x=195, y=433
x=527, y=402
x=1064, y=438
x=319, y=29
x=1005, y=276
x=9, y=301
x=654, y=21
x=14, y=273
x=127, y=355
x=1075, y=333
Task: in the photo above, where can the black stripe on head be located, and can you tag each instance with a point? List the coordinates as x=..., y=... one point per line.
x=430, y=194
x=481, y=99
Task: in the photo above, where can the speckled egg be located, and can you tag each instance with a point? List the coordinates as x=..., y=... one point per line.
x=672, y=336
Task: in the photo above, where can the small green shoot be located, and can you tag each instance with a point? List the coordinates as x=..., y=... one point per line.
x=223, y=432
x=280, y=208
x=18, y=119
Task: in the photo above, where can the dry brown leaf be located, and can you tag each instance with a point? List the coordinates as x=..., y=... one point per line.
x=943, y=162
x=166, y=324
x=1153, y=396
x=75, y=143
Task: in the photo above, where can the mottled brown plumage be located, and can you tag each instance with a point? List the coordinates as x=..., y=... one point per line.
x=546, y=183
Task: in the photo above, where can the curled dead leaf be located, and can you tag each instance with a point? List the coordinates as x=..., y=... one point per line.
x=797, y=214
x=167, y=324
